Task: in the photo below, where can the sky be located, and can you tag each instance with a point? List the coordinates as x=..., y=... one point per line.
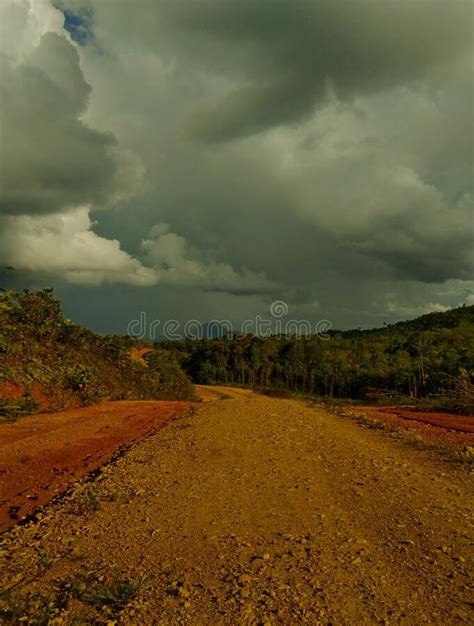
x=201, y=160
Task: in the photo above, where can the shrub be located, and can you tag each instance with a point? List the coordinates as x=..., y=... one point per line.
x=77, y=377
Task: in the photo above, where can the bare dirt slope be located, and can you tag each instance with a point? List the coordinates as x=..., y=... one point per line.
x=42, y=455
x=253, y=510
x=457, y=430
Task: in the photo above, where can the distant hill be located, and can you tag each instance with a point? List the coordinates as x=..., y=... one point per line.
x=49, y=363
x=453, y=318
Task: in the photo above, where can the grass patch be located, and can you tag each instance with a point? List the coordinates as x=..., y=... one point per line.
x=10, y=410
x=84, y=502
x=34, y=609
x=114, y=594
x=100, y=598
x=90, y=501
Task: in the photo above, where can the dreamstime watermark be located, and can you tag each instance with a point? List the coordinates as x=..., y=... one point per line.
x=276, y=324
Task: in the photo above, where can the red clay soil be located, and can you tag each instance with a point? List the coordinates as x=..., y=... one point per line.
x=11, y=391
x=37, y=392
x=42, y=455
x=137, y=354
x=433, y=426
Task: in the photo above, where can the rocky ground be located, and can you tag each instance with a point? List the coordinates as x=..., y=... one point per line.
x=252, y=510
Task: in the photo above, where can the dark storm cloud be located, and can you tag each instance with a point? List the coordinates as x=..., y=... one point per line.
x=50, y=160
x=318, y=152
x=285, y=57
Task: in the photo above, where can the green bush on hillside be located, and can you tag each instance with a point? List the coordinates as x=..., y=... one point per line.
x=39, y=346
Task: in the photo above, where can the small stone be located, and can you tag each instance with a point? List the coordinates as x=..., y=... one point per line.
x=244, y=578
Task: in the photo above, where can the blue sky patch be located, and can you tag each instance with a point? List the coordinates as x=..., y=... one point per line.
x=79, y=26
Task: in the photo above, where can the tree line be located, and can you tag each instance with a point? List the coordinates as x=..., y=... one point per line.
x=422, y=358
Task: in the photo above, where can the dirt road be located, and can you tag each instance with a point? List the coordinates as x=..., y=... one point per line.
x=253, y=510
x=219, y=392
